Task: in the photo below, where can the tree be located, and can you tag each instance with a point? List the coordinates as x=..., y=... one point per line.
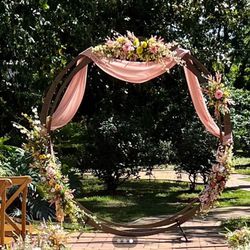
x=45, y=35
x=240, y=120
x=122, y=135
x=195, y=151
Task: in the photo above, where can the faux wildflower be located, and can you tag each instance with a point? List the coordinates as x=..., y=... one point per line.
x=217, y=178
x=52, y=179
x=139, y=50
x=129, y=47
x=239, y=239
x=144, y=44
x=218, y=95
x=58, y=187
x=136, y=42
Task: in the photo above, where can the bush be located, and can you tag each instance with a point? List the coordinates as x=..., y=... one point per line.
x=238, y=232
x=236, y=223
x=15, y=162
x=118, y=149
x=240, y=119
x=239, y=239
x=195, y=152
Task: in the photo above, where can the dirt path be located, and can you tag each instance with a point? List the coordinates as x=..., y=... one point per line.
x=236, y=180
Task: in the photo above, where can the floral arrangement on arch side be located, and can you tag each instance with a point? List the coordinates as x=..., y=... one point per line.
x=131, y=48
x=219, y=95
x=218, y=177
x=54, y=185
x=220, y=100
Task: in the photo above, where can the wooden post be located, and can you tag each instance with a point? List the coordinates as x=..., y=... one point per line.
x=24, y=200
x=4, y=184
x=2, y=216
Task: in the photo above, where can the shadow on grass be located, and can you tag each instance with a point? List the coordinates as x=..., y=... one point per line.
x=135, y=199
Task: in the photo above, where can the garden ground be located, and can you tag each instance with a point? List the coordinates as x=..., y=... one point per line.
x=203, y=233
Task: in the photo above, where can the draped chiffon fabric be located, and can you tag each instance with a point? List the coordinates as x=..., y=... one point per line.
x=133, y=72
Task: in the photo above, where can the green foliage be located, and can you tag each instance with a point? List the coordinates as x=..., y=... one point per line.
x=239, y=239
x=240, y=162
x=240, y=120
x=196, y=152
x=243, y=171
x=16, y=162
x=117, y=148
x=236, y=223
x=40, y=37
x=232, y=197
x=143, y=198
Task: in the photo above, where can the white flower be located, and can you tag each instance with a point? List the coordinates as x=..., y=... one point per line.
x=43, y=179
x=34, y=109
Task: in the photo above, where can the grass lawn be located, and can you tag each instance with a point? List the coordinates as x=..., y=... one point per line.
x=235, y=223
x=247, y=179
x=242, y=165
x=240, y=161
x=245, y=171
x=136, y=199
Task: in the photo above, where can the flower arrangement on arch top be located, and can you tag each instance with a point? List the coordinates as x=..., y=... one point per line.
x=131, y=48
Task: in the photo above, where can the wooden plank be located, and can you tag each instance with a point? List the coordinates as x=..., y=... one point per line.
x=13, y=224
x=29, y=228
x=2, y=216
x=15, y=195
x=19, y=180
x=8, y=241
x=5, y=183
x=24, y=198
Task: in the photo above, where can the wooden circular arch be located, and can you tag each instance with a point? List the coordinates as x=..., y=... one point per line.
x=50, y=104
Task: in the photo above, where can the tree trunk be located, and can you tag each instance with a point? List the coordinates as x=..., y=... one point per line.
x=192, y=178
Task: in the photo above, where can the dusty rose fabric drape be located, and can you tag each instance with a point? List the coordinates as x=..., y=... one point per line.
x=71, y=100
x=134, y=72
x=199, y=103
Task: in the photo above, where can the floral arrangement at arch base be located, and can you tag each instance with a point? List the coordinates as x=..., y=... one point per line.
x=218, y=177
x=53, y=184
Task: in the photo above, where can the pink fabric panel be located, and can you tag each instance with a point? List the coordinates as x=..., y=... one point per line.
x=71, y=100
x=199, y=103
x=134, y=72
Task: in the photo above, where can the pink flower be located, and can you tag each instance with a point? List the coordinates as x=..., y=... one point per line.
x=153, y=49
x=109, y=43
x=218, y=94
x=127, y=47
x=50, y=171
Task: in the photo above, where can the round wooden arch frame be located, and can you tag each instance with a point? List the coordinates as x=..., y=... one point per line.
x=50, y=104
